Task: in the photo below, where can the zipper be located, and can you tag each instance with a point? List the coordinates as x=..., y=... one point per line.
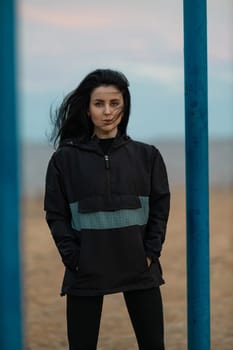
x=107, y=167
x=107, y=163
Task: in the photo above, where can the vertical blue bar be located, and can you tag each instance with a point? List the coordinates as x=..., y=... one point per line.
x=197, y=193
x=10, y=291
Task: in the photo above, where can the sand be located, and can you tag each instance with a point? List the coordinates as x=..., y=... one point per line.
x=45, y=327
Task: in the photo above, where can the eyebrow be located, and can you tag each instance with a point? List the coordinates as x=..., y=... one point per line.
x=101, y=100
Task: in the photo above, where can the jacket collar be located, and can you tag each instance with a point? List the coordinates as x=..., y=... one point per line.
x=92, y=145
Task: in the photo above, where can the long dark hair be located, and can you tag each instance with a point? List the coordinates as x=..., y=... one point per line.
x=71, y=119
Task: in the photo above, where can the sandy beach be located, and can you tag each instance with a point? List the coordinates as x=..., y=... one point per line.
x=45, y=327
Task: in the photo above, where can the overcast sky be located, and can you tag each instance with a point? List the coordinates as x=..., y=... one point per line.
x=61, y=41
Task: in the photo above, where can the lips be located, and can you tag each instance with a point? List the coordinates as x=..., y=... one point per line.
x=108, y=121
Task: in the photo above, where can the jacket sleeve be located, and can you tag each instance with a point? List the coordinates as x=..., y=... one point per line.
x=58, y=217
x=159, y=205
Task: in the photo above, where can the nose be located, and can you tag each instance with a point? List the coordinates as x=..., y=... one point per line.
x=107, y=109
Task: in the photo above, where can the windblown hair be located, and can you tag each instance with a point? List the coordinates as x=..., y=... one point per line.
x=71, y=119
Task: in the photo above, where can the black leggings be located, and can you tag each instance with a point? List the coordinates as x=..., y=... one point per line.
x=145, y=311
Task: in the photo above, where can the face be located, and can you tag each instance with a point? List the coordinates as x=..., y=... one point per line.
x=106, y=110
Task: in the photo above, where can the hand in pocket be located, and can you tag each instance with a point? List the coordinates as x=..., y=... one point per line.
x=149, y=261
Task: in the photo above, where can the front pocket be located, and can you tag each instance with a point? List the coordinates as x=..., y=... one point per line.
x=111, y=258
x=106, y=203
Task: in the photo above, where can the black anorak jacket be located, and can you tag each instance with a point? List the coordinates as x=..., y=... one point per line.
x=107, y=213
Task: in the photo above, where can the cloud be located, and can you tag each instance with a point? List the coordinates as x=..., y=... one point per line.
x=124, y=22
x=64, y=19
x=59, y=40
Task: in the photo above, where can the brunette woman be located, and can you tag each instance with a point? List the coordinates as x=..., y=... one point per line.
x=107, y=204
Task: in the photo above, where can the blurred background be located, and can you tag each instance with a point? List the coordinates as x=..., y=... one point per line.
x=59, y=42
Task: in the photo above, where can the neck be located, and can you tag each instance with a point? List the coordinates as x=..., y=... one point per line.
x=107, y=135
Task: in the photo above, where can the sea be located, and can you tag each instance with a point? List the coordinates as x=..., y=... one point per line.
x=34, y=158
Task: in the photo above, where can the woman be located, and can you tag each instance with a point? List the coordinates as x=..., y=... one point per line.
x=107, y=205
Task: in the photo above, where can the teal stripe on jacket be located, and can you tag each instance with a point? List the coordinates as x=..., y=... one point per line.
x=102, y=220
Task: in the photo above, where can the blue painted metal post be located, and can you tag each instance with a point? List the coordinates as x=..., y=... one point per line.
x=197, y=193
x=10, y=291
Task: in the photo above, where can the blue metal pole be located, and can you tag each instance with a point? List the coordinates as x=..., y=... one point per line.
x=197, y=193
x=10, y=291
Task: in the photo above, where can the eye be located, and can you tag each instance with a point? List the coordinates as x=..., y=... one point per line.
x=98, y=104
x=115, y=104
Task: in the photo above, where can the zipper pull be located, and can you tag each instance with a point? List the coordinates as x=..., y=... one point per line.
x=106, y=160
